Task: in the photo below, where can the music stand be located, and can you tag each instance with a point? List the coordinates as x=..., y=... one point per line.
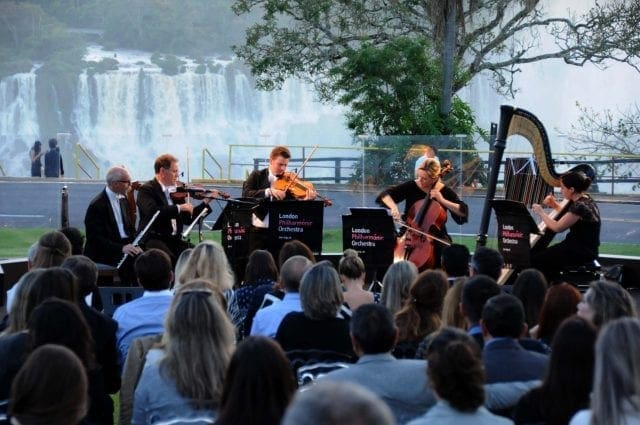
x=234, y=223
x=515, y=225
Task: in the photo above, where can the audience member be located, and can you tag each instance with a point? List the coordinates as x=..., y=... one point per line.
x=530, y=288
x=268, y=319
x=208, y=261
x=51, y=388
x=76, y=239
x=396, y=283
x=420, y=314
x=456, y=375
x=615, y=399
x=560, y=303
x=103, y=328
x=475, y=293
x=401, y=384
x=181, y=265
x=605, y=301
x=183, y=382
x=451, y=313
x=455, y=261
x=486, y=261
x=260, y=276
x=319, y=326
x=567, y=383
x=258, y=385
x=331, y=403
x=294, y=247
x=145, y=315
x=352, y=274
x=504, y=359
x=17, y=320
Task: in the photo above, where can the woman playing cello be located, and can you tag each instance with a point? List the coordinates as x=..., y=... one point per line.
x=427, y=187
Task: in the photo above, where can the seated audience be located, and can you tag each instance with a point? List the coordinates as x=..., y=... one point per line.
x=504, y=359
x=455, y=261
x=451, y=314
x=420, y=314
x=456, y=376
x=17, y=320
x=605, y=301
x=615, y=399
x=486, y=261
x=258, y=385
x=475, y=293
x=208, y=261
x=337, y=403
x=401, y=384
x=319, y=326
x=294, y=247
x=50, y=388
x=560, y=303
x=183, y=381
x=181, y=264
x=567, y=383
x=268, y=319
x=145, y=315
x=396, y=283
x=352, y=274
x=530, y=288
x=76, y=239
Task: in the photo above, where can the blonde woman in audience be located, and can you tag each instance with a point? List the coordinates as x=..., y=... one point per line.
x=352, y=274
x=615, y=399
x=183, y=381
x=396, y=283
x=18, y=317
x=181, y=265
x=451, y=314
x=209, y=261
x=605, y=301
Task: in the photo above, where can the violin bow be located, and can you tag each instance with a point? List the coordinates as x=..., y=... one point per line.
x=304, y=163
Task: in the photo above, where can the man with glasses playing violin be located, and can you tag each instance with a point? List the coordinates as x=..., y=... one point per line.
x=108, y=226
x=159, y=194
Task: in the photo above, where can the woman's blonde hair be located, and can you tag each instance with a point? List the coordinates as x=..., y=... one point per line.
x=209, y=261
x=396, y=283
x=431, y=166
x=321, y=292
x=53, y=248
x=198, y=341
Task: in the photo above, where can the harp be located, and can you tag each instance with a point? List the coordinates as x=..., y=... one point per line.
x=515, y=121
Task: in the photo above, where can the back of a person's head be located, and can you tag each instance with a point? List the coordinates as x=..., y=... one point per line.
x=85, y=271
x=503, y=316
x=259, y=375
x=261, y=268
x=209, y=261
x=475, y=293
x=455, y=369
x=487, y=261
x=197, y=327
x=616, y=383
x=153, y=270
x=52, y=282
x=421, y=312
x=294, y=247
x=53, y=143
x=50, y=388
x=396, y=283
x=455, y=260
x=53, y=248
x=374, y=329
x=76, y=239
x=560, y=303
x=569, y=376
x=331, y=403
x=18, y=314
x=291, y=272
x=60, y=322
x=321, y=292
x=451, y=314
x=351, y=265
x=608, y=301
x=530, y=287
x=181, y=264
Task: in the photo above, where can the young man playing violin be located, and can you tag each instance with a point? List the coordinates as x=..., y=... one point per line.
x=427, y=187
x=155, y=195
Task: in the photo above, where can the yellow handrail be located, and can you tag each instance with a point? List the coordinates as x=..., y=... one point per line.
x=80, y=150
x=205, y=153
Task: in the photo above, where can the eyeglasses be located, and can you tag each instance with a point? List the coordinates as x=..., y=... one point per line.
x=124, y=181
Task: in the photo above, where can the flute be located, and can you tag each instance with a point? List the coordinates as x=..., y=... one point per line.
x=138, y=238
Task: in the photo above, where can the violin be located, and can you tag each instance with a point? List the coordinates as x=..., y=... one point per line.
x=296, y=187
x=199, y=192
x=424, y=218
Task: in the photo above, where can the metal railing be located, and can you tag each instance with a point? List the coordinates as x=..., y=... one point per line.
x=205, y=171
x=80, y=153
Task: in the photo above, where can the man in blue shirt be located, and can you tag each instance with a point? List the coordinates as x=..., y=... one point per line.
x=145, y=315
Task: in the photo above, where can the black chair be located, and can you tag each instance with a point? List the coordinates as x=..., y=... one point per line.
x=114, y=296
x=581, y=275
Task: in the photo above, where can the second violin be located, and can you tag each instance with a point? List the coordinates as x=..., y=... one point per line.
x=196, y=192
x=297, y=188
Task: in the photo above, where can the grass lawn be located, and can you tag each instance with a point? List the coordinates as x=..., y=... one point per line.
x=14, y=243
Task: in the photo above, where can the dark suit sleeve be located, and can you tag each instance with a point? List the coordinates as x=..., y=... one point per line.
x=255, y=185
x=102, y=243
x=149, y=202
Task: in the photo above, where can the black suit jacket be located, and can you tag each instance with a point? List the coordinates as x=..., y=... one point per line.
x=150, y=199
x=104, y=244
x=256, y=184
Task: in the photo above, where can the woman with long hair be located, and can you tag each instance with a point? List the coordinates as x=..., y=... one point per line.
x=258, y=386
x=35, y=155
x=605, y=301
x=560, y=302
x=530, y=287
x=616, y=382
x=567, y=383
x=209, y=261
x=396, y=283
x=183, y=380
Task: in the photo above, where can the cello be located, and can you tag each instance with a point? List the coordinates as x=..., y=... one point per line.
x=425, y=217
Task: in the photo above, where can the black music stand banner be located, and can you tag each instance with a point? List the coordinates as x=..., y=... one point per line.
x=301, y=220
x=234, y=224
x=515, y=226
x=371, y=232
